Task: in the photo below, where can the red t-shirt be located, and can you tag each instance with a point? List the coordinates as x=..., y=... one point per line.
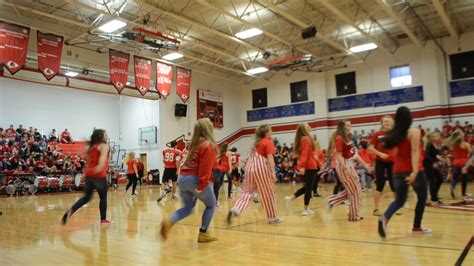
x=224, y=164
x=265, y=147
x=130, y=165
x=345, y=148
x=448, y=128
x=320, y=158
x=377, y=141
x=94, y=156
x=403, y=158
x=170, y=157
x=460, y=156
x=234, y=159
x=367, y=156
x=306, y=158
x=201, y=164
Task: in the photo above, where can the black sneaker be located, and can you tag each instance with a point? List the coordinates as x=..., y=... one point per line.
x=161, y=197
x=382, y=226
x=66, y=217
x=452, y=192
x=316, y=195
x=230, y=217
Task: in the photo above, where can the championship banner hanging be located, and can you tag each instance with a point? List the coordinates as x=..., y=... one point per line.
x=183, y=83
x=210, y=105
x=142, y=74
x=13, y=46
x=118, y=65
x=164, y=76
x=50, y=48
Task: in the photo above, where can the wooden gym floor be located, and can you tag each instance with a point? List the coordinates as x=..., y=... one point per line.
x=30, y=234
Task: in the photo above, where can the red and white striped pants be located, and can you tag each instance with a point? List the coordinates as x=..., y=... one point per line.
x=257, y=178
x=352, y=191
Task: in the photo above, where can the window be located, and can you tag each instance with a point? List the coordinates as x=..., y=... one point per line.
x=259, y=98
x=299, y=91
x=400, y=76
x=346, y=83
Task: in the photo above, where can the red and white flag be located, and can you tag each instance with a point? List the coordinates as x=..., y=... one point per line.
x=118, y=67
x=183, y=83
x=142, y=74
x=50, y=48
x=13, y=46
x=164, y=76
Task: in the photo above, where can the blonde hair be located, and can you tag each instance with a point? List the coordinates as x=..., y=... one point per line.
x=301, y=131
x=202, y=130
x=130, y=156
x=390, y=119
x=317, y=145
x=260, y=133
x=455, y=139
x=428, y=138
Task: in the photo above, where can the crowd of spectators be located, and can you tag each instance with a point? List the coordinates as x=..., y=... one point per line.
x=27, y=151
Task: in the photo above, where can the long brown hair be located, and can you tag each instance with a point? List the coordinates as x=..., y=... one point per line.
x=223, y=150
x=340, y=131
x=301, y=131
x=260, y=133
x=202, y=130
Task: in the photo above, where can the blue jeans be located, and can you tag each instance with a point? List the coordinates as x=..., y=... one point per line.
x=187, y=190
x=401, y=189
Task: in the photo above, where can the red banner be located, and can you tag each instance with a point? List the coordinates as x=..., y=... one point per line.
x=50, y=48
x=164, y=76
x=13, y=46
x=142, y=74
x=118, y=68
x=183, y=83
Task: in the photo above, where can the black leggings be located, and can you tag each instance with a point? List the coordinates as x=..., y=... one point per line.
x=132, y=180
x=308, y=178
x=457, y=174
x=383, y=172
x=435, y=178
x=338, y=187
x=316, y=183
x=100, y=184
x=218, y=180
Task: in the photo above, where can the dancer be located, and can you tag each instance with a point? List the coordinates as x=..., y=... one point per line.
x=432, y=164
x=344, y=150
x=234, y=175
x=321, y=160
x=366, y=159
x=407, y=169
x=307, y=166
x=221, y=169
x=259, y=176
x=171, y=158
x=132, y=172
x=194, y=177
x=383, y=162
x=459, y=165
x=96, y=176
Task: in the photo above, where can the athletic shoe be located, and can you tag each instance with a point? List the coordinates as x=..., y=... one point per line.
x=360, y=218
x=288, y=202
x=275, y=221
x=310, y=211
x=165, y=228
x=421, y=231
x=205, y=237
x=370, y=190
x=230, y=217
x=66, y=217
x=399, y=212
x=105, y=222
x=134, y=195
x=376, y=212
x=229, y=197
x=316, y=195
x=255, y=199
x=328, y=205
x=307, y=213
x=452, y=192
x=383, y=226
x=161, y=197
x=217, y=205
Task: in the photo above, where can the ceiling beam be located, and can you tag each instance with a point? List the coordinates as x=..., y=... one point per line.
x=399, y=22
x=344, y=18
x=438, y=5
x=296, y=21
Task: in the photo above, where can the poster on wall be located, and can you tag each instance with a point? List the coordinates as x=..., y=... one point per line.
x=183, y=83
x=142, y=74
x=164, y=76
x=13, y=46
x=118, y=67
x=210, y=105
x=50, y=48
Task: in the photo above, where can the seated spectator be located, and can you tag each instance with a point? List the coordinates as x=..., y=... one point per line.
x=37, y=135
x=66, y=137
x=10, y=132
x=447, y=128
x=20, y=129
x=53, y=135
x=457, y=125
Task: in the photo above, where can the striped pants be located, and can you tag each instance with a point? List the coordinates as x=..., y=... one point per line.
x=257, y=178
x=352, y=191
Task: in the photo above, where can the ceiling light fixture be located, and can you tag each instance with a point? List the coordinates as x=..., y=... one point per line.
x=172, y=56
x=112, y=26
x=363, y=47
x=248, y=33
x=71, y=74
x=257, y=70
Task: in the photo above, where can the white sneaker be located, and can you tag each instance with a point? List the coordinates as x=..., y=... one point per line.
x=307, y=213
x=278, y=220
x=310, y=211
x=288, y=202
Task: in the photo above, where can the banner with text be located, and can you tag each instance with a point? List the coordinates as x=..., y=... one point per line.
x=142, y=74
x=306, y=108
x=462, y=88
x=50, y=48
x=164, y=76
x=210, y=105
x=118, y=67
x=13, y=46
x=376, y=99
x=183, y=83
